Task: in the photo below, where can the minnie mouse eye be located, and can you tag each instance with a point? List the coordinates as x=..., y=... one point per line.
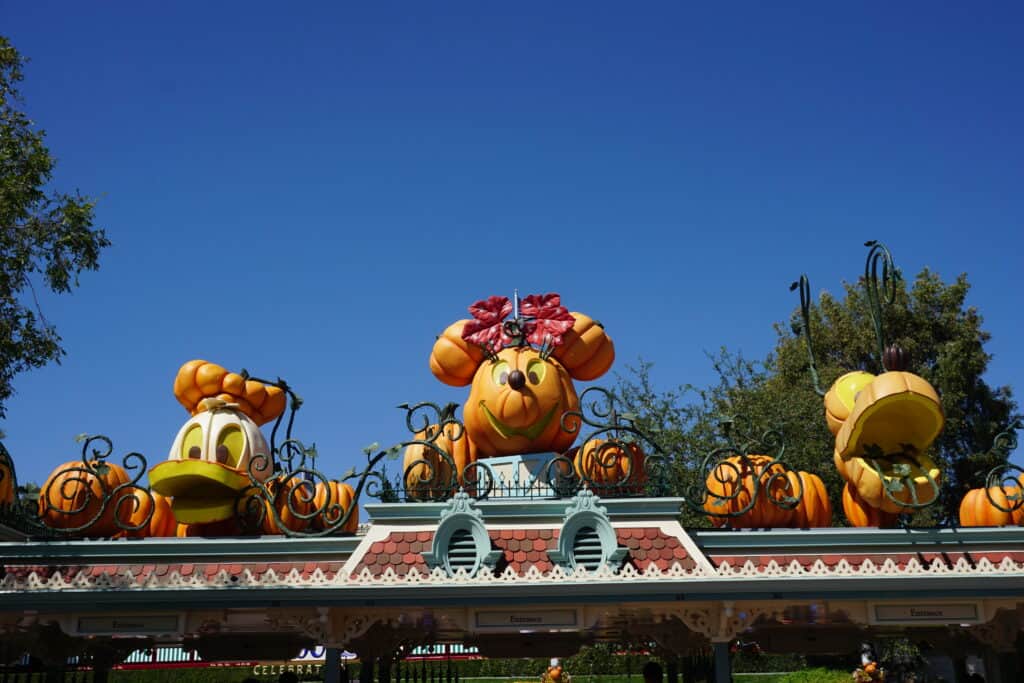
x=535, y=370
x=499, y=373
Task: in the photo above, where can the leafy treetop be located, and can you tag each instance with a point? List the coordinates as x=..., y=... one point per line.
x=44, y=234
x=929, y=319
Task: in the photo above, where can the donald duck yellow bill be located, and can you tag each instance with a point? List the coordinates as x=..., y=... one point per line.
x=202, y=491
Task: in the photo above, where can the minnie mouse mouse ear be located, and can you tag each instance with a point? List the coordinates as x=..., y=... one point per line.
x=587, y=351
x=454, y=360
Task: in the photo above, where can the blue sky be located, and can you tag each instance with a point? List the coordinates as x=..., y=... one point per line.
x=316, y=192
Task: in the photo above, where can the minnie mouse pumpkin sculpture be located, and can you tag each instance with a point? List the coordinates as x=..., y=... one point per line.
x=520, y=358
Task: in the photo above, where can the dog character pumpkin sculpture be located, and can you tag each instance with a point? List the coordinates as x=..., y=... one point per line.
x=883, y=426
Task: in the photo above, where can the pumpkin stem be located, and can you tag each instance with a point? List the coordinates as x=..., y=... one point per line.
x=447, y=414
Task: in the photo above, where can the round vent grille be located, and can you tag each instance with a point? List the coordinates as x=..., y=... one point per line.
x=586, y=549
x=462, y=551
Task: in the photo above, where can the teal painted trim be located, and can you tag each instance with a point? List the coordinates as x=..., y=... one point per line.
x=461, y=513
x=837, y=539
x=583, y=511
x=416, y=596
x=526, y=510
x=262, y=548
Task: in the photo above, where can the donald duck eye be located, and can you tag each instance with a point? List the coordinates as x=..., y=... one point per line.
x=230, y=444
x=192, y=444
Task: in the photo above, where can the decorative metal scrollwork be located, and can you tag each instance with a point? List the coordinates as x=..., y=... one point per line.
x=897, y=475
x=1006, y=477
x=616, y=458
x=287, y=493
x=879, y=289
x=746, y=478
x=90, y=497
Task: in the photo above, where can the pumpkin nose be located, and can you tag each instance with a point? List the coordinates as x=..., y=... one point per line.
x=516, y=379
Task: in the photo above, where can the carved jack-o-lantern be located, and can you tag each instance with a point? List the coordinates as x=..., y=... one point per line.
x=208, y=465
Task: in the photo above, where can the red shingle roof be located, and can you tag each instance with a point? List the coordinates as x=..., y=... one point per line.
x=522, y=549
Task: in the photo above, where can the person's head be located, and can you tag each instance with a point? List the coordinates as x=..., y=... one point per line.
x=653, y=672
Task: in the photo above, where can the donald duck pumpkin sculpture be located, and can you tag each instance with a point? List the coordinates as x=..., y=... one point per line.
x=208, y=467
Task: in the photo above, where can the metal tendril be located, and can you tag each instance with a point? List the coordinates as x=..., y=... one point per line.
x=879, y=292
x=294, y=403
x=804, y=285
x=1005, y=477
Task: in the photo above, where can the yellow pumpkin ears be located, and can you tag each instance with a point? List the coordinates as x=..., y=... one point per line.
x=586, y=351
x=842, y=395
x=197, y=380
x=454, y=360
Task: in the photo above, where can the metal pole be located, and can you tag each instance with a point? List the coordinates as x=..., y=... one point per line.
x=332, y=665
x=723, y=666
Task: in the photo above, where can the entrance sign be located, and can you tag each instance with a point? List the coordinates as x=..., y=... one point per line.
x=519, y=620
x=925, y=613
x=128, y=624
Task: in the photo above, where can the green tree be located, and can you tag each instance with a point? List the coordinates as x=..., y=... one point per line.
x=43, y=234
x=928, y=318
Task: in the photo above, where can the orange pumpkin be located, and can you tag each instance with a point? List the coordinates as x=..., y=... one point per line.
x=814, y=508
x=610, y=463
x=73, y=495
x=516, y=404
x=860, y=514
x=977, y=508
x=340, y=494
x=199, y=379
x=292, y=498
x=587, y=352
x=161, y=522
x=733, y=484
x=429, y=476
x=454, y=360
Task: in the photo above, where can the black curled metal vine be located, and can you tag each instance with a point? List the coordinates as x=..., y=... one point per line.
x=745, y=481
x=879, y=290
x=804, y=327
x=1005, y=478
x=616, y=458
x=92, y=497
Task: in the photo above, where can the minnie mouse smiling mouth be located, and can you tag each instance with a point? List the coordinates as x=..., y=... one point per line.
x=531, y=432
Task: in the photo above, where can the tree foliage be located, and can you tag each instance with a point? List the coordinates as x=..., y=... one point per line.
x=928, y=318
x=44, y=235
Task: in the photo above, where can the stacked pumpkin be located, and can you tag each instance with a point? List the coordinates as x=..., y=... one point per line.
x=776, y=496
x=883, y=427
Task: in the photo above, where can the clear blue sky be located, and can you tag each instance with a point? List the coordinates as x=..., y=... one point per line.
x=315, y=192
